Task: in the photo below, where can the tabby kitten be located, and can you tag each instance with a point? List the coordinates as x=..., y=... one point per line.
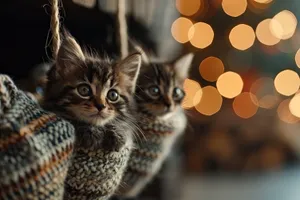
x=95, y=94
x=159, y=94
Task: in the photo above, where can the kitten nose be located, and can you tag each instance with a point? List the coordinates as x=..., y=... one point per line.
x=99, y=106
x=168, y=106
x=167, y=103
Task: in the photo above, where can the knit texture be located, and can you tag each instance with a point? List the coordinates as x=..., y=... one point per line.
x=96, y=171
x=35, y=147
x=146, y=160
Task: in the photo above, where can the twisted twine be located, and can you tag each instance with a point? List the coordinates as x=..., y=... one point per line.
x=122, y=28
x=55, y=26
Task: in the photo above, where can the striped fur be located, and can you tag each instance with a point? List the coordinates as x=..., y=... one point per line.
x=104, y=128
x=161, y=119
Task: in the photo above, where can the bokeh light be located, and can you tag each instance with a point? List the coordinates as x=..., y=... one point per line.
x=259, y=6
x=245, y=105
x=211, y=68
x=284, y=113
x=193, y=93
x=297, y=58
x=287, y=82
x=288, y=24
x=211, y=101
x=242, y=37
x=188, y=7
x=230, y=84
x=294, y=105
x=264, y=91
x=263, y=1
x=268, y=101
x=201, y=35
x=234, y=8
x=180, y=29
x=264, y=34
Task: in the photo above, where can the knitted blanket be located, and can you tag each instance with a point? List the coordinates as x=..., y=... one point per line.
x=146, y=160
x=96, y=170
x=35, y=147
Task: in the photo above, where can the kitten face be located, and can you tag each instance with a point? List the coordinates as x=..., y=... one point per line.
x=91, y=89
x=159, y=89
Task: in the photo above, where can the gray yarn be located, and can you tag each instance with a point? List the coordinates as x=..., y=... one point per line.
x=100, y=158
x=35, y=147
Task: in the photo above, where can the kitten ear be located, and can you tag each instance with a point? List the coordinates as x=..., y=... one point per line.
x=69, y=53
x=129, y=69
x=183, y=64
x=137, y=47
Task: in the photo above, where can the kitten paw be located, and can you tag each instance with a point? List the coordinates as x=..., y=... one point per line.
x=113, y=141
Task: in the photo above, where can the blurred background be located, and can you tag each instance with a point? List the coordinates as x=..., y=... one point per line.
x=243, y=99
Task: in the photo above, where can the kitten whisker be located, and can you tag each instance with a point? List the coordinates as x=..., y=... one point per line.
x=131, y=125
x=139, y=132
x=133, y=122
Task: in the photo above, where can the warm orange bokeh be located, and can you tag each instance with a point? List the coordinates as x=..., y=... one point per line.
x=288, y=24
x=230, y=84
x=193, y=93
x=284, y=113
x=264, y=33
x=188, y=7
x=245, y=105
x=287, y=82
x=294, y=105
x=201, y=35
x=263, y=1
x=180, y=29
x=234, y=8
x=211, y=101
x=211, y=68
x=297, y=58
x=242, y=37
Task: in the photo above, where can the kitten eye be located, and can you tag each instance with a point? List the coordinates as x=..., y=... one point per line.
x=154, y=91
x=178, y=94
x=84, y=90
x=113, y=95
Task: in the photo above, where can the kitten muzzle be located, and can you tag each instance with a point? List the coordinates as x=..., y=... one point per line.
x=99, y=106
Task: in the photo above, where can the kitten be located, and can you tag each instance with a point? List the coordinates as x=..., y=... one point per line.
x=158, y=94
x=96, y=96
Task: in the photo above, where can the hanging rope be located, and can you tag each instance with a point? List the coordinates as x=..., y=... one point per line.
x=55, y=26
x=122, y=28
